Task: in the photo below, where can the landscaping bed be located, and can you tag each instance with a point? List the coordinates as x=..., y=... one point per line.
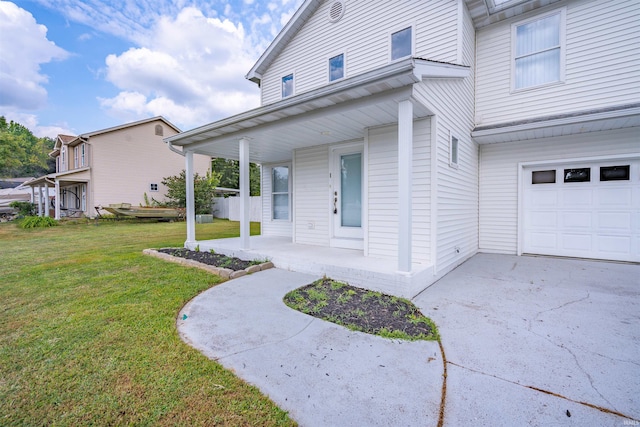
x=210, y=258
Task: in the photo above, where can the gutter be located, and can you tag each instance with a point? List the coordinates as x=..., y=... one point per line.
x=174, y=149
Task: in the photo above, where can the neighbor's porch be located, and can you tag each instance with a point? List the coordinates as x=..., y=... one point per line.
x=348, y=265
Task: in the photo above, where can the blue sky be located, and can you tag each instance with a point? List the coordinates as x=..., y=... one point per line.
x=76, y=66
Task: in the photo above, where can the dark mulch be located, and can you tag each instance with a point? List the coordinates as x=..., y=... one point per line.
x=217, y=260
x=362, y=310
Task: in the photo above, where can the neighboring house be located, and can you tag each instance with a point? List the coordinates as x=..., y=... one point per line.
x=114, y=165
x=428, y=131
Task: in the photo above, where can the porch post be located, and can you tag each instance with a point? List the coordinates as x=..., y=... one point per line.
x=190, y=199
x=40, y=200
x=33, y=194
x=405, y=161
x=46, y=199
x=244, y=194
x=57, y=199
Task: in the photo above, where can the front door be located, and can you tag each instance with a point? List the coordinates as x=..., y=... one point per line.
x=346, y=196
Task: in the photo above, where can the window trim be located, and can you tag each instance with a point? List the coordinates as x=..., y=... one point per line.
x=563, y=44
x=413, y=42
x=293, y=85
x=344, y=66
x=289, y=191
x=454, y=162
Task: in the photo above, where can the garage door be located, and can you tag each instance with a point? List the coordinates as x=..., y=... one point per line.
x=587, y=210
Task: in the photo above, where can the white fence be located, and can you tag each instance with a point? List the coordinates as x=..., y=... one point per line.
x=229, y=207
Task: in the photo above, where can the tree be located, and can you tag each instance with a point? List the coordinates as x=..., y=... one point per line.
x=203, y=186
x=22, y=153
x=229, y=171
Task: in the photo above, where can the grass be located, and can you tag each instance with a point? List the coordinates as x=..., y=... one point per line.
x=88, y=335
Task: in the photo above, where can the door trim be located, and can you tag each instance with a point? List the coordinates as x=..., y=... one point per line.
x=341, y=241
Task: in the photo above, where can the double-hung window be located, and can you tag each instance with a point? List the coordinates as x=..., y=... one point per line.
x=83, y=154
x=336, y=67
x=287, y=85
x=76, y=156
x=401, y=44
x=280, y=192
x=538, y=56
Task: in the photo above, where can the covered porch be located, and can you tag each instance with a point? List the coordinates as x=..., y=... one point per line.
x=310, y=135
x=70, y=193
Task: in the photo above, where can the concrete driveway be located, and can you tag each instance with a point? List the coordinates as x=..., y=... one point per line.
x=528, y=341
x=532, y=340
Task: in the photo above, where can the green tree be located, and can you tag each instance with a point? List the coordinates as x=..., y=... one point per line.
x=229, y=171
x=203, y=186
x=22, y=153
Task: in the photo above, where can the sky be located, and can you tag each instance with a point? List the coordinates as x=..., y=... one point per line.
x=77, y=66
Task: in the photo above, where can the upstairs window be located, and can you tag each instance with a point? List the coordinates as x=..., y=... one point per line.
x=280, y=192
x=401, y=44
x=76, y=157
x=287, y=85
x=63, y=159
x=538, y=51
x=83, y=154
x=336, y=67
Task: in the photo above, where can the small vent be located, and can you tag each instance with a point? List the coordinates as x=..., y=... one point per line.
x=336, y=11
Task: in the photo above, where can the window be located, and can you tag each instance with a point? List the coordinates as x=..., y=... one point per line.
x=84, y=197
x=453, y=151
x=63, y=159
x=538, y=55
x=577, y=175
x=336, y=67
x=76, y=156
x=401, y=44
x=83, y=157
x=280, y=192
x=153, y=186
x=287, y=85
x=543, y=177
x=614, y=173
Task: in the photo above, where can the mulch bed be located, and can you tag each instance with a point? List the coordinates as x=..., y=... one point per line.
x=217, y=260
x=359, y=309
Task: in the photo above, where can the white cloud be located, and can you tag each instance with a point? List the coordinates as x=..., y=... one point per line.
x=24, y=46
x=191, y=71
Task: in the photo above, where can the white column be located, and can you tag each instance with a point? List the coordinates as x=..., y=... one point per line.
x=405, y=161
x=57, y=199
x=33, y=194
x=46, y=199
x=191, y=207
x=244, y=194
x=40, y=213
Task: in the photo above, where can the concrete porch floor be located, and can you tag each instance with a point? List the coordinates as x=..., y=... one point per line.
x=347, y=265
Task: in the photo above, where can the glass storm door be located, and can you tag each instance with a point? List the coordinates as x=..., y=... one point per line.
x=346, y=195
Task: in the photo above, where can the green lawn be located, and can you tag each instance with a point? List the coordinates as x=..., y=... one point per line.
x=88, y=336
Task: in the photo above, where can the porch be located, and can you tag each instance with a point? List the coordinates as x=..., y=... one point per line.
x=348, y=265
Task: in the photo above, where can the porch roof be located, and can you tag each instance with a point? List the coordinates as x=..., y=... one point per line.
x=333, y=113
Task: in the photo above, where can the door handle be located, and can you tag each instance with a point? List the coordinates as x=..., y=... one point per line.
x=335, y=202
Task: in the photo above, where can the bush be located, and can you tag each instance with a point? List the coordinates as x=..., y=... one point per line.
x=38, y=221
x=24, y=208
x=204, y=190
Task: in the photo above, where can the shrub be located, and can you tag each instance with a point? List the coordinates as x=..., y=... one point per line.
x=24, y=208
x=38, y=221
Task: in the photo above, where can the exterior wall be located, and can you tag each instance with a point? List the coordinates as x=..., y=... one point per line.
x=363, y=35
x=382, y=208
x=455, y=189
x=269, y=226
x=126, y=161
x=602, y=63
x=499, y=176
x=311, y=199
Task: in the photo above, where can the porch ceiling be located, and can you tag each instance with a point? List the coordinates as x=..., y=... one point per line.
x=334, y=113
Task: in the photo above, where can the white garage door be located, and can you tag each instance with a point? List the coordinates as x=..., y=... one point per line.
x=587, y=210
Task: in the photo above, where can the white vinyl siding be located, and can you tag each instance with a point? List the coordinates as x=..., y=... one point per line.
x=457, y=189
x=602, y=60
x=434, y=24
x=311, y=199
x=499, y=176
x=270, y=227
x=382, y=221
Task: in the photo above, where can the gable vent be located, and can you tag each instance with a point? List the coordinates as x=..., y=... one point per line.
x=336, y=11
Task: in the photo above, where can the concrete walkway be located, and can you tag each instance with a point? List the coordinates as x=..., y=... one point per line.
x=526, y=341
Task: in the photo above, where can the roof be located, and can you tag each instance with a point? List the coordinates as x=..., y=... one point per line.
x=128, y=125
x=332, y=113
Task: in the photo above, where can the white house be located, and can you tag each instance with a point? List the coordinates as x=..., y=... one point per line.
x=423, y=132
